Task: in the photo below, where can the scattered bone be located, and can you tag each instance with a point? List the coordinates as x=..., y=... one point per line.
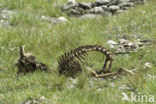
x=127, y=71
x=103, y=75
x=40, y=100
x=110, y=74
x=124, y=45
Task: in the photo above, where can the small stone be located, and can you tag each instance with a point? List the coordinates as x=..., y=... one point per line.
x=96, y=10
x=71, y=2
x=113, y=8
x=67, y=7
x=111, y=42
x=85, y=5
x=104, y=7
x=62, y=19
x=124, y=87
x=107, y=13
x=42, y=98
x=73, y=80
x=130, y=44
x=46, y=18
x=90, y=16
x=124, y=1
x=126, y=4
x=120, y=11
x=101, y=2
x=122, y=41
x=74, y=12
x=147, y=65
x=126, y=8
x=99, y=89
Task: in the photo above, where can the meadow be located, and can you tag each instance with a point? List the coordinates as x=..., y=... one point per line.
x=47, y=42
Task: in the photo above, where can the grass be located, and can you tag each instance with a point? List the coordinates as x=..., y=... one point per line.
x=47, y=42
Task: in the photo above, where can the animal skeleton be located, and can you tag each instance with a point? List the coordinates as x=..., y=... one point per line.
x=69, y=66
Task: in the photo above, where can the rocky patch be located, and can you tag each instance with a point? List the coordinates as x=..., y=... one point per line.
x=5, y=16
x=101, y=7
x=126, y=45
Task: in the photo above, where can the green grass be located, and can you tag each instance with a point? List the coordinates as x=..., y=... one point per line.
x=47, y=42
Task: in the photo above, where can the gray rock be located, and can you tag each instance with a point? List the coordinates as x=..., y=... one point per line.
x=71, y=2
x=107, y=13
x=113, y=8
x=67, y=7
x=75, y=12
x=112, y=43
x=147, y=65
x=90, y=16
x=124, y=87
x=46, y=18
x=124, y=1
x=126, y=4
x=85, y=5
x=54, y=20
x=138, y=1
x=120, y=11
x=5, y=16
x=62, y=19
x=126, y=8
x=101, y=2
x=96, y=10
x=104, y=7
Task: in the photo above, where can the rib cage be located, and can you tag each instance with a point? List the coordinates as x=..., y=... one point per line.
x=67, y=63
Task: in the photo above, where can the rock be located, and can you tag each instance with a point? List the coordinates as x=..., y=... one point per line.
x=120, y=11
x=111, y=42
x=46, y=18
x=113, y=8
x=104, y=7
x=42, y=98
x=5, y=15
x=107, y=13
x=54, y=20
x=126, y=4
x=96, y=10
x=138, y=1
x=109, y=7
x=124, y=87
x=73, y=81
x=120, y=1
x=75, y=12
x=62, y=19
x=85, y=5
x=67, y=7
x=90, y=16
x=147, y=65
x=151, y=77
x=71, y=2
x=101, y=2
x=122, y=41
